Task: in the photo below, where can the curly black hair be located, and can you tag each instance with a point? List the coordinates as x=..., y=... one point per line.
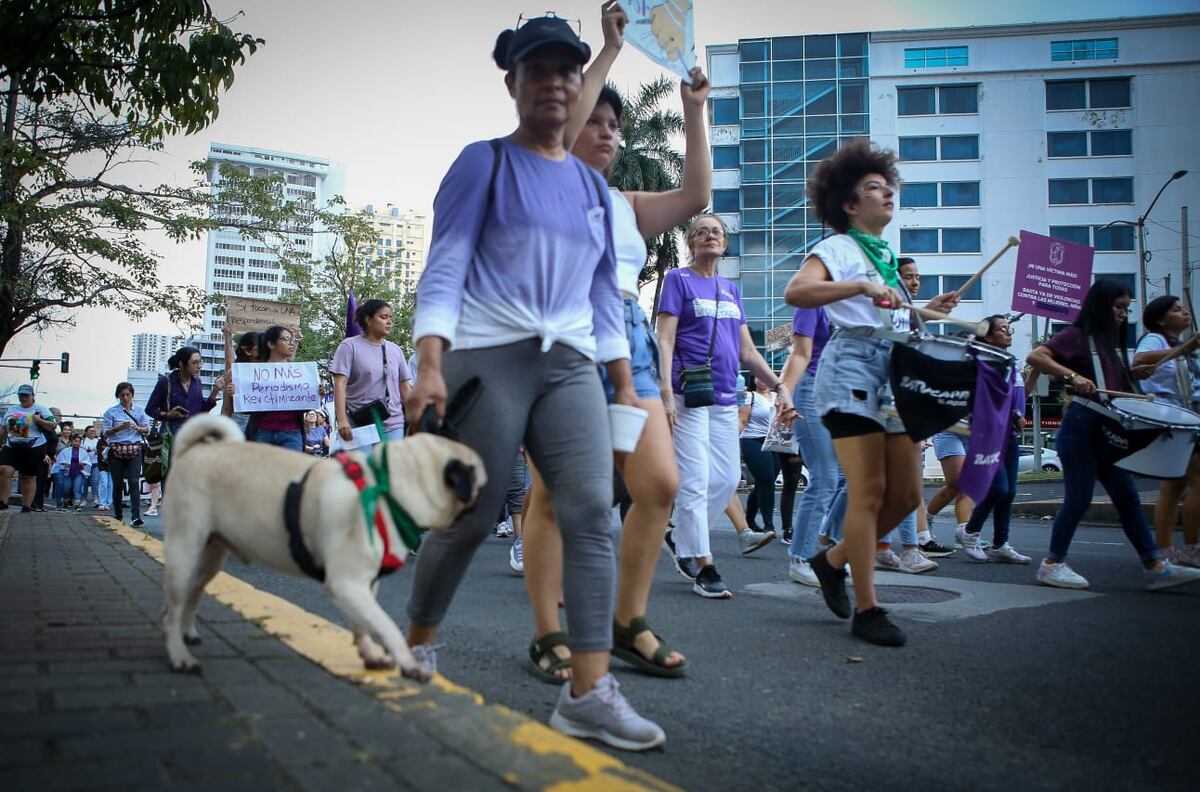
x=833, y=180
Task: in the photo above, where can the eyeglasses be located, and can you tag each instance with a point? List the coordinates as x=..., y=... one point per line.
x=287, y=340
x=575, y=23
x=705, y=233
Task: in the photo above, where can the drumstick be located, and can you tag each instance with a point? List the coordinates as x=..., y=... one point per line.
x=1124, y=395
x=1012, y=242
x=1174, y=353
x=979, y=328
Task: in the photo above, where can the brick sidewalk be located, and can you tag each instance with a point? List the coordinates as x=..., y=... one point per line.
x=87, y=701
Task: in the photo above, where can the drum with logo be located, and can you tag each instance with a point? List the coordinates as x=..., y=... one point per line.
x=1166, y=457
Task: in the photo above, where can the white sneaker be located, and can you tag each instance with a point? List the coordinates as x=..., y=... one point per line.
x=426, y=655
x=887, y=560
x=1006, y=554
x=516, y=556
x=801, y=572
x=972, y=547
x=604, y=714
x=1168, y=575
x=961, y=531
x=1060, y=576
x=914, y=562
x=749, y=541
x=1187, y=556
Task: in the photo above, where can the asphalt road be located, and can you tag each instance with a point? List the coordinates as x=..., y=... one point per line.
x=1092, y=693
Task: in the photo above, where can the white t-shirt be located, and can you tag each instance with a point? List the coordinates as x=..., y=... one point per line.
x=846, y=261
x=1163, y=382
x=762, y=412
x=628, y=243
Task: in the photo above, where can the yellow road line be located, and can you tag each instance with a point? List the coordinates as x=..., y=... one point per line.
x=548, y=759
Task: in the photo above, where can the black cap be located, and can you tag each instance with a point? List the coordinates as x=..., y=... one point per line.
x=539, y=32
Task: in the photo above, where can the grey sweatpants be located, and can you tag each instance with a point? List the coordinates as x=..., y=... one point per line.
x=553, y=402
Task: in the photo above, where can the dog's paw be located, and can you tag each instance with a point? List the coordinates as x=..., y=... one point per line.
x=417, y=673
x=383, y=662
x=192, y=638
x=187, y=665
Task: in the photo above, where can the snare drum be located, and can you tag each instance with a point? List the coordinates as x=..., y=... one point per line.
x=943, y=347
x=1167, y=457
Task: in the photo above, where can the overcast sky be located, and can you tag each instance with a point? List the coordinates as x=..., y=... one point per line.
x=395, y=89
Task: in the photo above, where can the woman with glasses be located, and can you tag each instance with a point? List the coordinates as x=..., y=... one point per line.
x=999, y=499
x=370, y=375
x=282, y=428
x=701, y=322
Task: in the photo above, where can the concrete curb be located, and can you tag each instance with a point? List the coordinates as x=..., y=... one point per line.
x=517, y=751
x=1101, y=511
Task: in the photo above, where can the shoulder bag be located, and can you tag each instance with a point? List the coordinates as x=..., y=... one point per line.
x=697, y=381
x=366, y=415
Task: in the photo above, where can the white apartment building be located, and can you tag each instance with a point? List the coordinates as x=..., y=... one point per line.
x=1057, y=128
x=240, y=267
x=398, y=255
x=150, y=351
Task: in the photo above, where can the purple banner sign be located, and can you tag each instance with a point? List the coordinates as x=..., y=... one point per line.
x=1052, y=277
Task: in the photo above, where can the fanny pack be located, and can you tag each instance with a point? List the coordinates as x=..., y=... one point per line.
x=697, y=381
x=124, y=450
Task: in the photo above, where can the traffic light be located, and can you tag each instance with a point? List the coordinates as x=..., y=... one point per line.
x=35, y=370
x=65, y=363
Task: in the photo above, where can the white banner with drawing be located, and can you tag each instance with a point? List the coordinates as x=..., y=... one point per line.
x=663, y=30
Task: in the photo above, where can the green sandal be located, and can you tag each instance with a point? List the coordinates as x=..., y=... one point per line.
x=540, y=649
x=623, y=649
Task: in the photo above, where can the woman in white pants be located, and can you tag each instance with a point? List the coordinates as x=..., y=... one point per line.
x=701, y=321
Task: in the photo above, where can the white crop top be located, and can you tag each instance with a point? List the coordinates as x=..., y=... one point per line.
x=629, y=245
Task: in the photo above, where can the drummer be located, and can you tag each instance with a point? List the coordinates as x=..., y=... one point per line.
x=854, y=275
x=1097, y=334
x=1175, y=381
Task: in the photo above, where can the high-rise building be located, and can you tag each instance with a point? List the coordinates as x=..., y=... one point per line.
x=236, y=266
x=149, y=351
x=1057, y=128
x=398, y=254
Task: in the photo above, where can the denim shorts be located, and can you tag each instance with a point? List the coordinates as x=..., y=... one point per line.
x=946, y=444
x=643, y=354
x=853, y=379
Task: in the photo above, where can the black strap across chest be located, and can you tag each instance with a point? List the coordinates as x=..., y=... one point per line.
x=291, y=520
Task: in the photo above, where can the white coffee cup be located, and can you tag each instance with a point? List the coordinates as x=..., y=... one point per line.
x=625, y=424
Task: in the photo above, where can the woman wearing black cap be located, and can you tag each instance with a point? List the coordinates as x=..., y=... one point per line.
x=521, y=282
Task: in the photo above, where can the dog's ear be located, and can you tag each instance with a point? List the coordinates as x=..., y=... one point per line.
x=460, y=478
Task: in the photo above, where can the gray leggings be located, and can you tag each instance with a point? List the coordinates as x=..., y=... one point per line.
x=555, y=403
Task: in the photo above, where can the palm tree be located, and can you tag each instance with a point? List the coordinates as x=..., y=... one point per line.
x=648, y=162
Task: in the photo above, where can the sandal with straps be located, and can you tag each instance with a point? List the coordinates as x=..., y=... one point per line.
x=624, y=649
x=542, y=648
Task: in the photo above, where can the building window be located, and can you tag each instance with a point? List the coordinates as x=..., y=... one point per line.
x=961, y=240
x=1113, y=238
x=925, y=194
x=1103, y=191
x=918, y=240
x=724, y=111
x=752, y=51
x=946, y=147
x=1066, y=144
x=918, y=149
x=939, y=240
x=1087, y=94
x=1083, y=49
x=959, y=147
x=1068, y=191
x=960, y=193
x=1081, y=235
x=725, y=157
x=947, y=99
x=956, y=282
x=934, y=57
x=918, y=194
x=1112, y=191
x=1126, y=279
x=1097, y=143
x=725, y=201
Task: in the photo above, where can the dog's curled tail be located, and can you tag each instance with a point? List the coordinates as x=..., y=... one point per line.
x=205, y=429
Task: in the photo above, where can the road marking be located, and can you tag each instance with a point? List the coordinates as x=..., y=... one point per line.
x=550, y=759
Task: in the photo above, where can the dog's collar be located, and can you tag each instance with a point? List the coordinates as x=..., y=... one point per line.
x=369, y=494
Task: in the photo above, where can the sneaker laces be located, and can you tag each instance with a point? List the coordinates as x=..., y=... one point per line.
x=608, y=691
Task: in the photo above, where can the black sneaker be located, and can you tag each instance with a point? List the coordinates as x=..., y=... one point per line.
x=668, y=540
x=833, y=584
x=787, y=536
x=686, y=567
x=708, y=584
x=138, y=523
x=935, y=550
x=873, y=626
x=25, y=510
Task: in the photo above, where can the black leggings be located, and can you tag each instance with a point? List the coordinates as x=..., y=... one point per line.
x=790, y=464
x=128, y=472
x=763, y=469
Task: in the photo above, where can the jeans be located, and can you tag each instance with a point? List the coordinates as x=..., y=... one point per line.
x=763, y=471
x=999, y=499
x=1081, y=470
x=68, y=487
x=907, y=530
x=92, y=484
x=104, y=490
x=291, y=439
x=835, y=519
x=816, y=446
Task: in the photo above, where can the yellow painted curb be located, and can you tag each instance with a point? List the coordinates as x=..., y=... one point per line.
x=574, y=765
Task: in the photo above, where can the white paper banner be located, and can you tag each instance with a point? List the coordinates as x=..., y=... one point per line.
x=663, y=30
x=259, y=387
x=362, y=436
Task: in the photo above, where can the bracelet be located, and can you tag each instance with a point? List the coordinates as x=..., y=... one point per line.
x=1070, y=377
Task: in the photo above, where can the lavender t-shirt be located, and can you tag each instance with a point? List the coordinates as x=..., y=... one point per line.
x=812, y=323
x=361, y=362
x=692, y=298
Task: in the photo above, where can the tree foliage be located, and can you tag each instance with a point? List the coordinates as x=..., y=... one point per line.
x=86, y=87
x=649, y=162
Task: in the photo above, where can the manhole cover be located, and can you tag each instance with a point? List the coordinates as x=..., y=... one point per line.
x=893, y=595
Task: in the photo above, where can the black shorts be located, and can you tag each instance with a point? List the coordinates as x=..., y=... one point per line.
x=28, y=460
x=842, y=425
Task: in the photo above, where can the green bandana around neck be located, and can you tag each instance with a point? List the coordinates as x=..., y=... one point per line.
x=879, y=254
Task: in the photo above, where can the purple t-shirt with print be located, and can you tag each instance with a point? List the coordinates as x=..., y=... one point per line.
x=692, y=298
x=814, y=324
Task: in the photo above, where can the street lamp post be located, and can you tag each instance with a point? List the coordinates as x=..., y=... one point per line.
x=1140, y=226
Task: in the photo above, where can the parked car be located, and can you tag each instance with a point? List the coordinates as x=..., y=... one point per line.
x=1050, y=461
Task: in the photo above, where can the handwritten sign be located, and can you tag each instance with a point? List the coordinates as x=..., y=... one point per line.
x=663, y=31
x=259, y=387
x=246, y=313
x=359, y=437
x=1052, y=276
x=779, y=337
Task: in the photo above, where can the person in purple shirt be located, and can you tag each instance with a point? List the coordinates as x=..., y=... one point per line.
x=520, y=291
x=369, y=369
x=700, y=319
x=180, y=395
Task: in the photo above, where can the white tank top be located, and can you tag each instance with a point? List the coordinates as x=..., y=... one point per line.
x=630, y=247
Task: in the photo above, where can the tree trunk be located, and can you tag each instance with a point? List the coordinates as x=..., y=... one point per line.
x=660, y=268
x=10, y=253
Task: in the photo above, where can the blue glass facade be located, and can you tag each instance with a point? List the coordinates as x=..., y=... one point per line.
x=801, y=97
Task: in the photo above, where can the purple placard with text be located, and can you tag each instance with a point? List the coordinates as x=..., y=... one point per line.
x=1052, y=276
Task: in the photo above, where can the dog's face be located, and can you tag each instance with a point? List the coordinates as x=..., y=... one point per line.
x=433, y=478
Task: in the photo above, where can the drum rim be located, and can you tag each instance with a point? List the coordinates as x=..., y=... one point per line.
x=980, y=349
x=1163, y=422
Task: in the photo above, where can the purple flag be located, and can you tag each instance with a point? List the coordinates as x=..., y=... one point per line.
x=991, y=421
x=352, y=328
